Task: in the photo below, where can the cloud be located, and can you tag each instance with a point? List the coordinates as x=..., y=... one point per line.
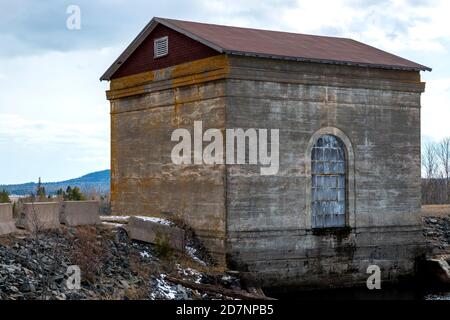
x=436, y=109
x=54, y=117
x=53, y=108
x=397, y=25
x=48, y=134
x=35, y=27
x=37, y=147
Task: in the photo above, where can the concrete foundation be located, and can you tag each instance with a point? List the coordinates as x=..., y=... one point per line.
x=7, y=224
x=77, y=213
x=39, y=216
x=156, y=231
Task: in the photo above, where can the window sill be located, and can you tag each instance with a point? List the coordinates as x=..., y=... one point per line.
x=338, y=231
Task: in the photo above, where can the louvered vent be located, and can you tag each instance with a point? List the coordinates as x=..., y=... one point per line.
x=161, y=47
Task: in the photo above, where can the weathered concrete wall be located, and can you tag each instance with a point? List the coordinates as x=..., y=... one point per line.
x=144, y=181
x=7, y=224
x=39, y=216
x=77, y=213
x=263, y=223
x=269, y=217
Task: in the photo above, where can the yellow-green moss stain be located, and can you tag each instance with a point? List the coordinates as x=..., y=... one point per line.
x=186, y=74
x=131, y=81
x=114, y=168
x=145, y=109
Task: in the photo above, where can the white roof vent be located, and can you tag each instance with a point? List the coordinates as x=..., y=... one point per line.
x=161, y=47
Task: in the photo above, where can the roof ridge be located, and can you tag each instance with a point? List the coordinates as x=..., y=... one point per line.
x=256, y=29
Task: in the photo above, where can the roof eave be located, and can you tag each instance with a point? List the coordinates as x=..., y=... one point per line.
x=324, y=61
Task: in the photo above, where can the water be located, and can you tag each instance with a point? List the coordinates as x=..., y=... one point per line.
x=411, y=291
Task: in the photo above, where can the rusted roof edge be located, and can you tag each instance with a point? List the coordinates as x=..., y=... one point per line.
x=324, y=61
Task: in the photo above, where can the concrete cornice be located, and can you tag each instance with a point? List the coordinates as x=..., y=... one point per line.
x=221, y=67
x=186, y=74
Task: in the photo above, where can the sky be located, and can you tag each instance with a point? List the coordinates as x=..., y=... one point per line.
x=54, y=116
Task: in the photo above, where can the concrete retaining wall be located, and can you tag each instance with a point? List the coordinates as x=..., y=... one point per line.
x=155, y=230
x=7, y=224
x=77, y=213
x=39, y=216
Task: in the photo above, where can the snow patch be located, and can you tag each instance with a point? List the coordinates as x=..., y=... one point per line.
x=112, y=224
x=189, y=274
x=192, y=253
x=155, y=220
x=118, y=218
x=163, y=289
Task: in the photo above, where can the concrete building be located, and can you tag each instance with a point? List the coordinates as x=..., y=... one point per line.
x=347, y=192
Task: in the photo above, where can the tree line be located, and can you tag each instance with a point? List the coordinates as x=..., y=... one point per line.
x=435, y=181
x=70, y=194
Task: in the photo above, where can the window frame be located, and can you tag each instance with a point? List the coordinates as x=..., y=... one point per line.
x=323, y=175
x=305, y=215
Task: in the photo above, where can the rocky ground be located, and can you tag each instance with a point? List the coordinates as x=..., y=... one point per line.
x=34, y=266
x=436, y=231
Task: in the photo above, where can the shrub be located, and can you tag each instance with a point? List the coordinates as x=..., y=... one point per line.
x=163, y=247
x=71, y=194
x=4, y=196
x=88, y=253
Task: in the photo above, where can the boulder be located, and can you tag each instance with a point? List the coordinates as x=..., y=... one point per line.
x=39, y=216
x=78, y=213
x=156, y=231
x=439, y=269
x=7, y=224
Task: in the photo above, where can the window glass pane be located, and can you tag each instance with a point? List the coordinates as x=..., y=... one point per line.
x=341, y=195
x=328, y=182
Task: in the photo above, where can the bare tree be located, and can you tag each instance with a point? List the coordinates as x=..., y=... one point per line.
x=48, y=260
x=430, y=170
x=429, y=161
x=443, y=154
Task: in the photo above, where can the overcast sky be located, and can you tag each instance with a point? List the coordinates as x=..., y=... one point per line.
x=54, y=117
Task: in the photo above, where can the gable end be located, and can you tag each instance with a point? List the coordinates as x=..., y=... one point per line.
x=181, y=49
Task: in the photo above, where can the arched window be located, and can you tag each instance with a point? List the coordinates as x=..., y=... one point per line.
x=328, y=194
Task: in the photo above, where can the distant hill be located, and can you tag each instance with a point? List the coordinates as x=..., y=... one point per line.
x=98, y=181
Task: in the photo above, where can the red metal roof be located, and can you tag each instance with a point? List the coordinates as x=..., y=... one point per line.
x=278, y=45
